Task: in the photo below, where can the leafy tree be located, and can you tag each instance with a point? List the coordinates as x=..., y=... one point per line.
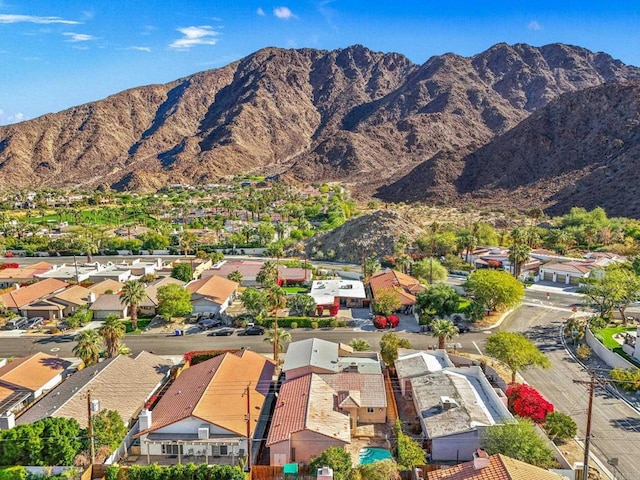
x=133, y=294
x=235, y=276
x=381, y=470
x=255, y=302
x=439, y=299
x=408, y=452
x=108, y=429
x=112, y=332
x=386, y=302
x=182, y=271
x=494, y=289
x=627, y=379
x=302, y=304
x=466, y=242
x=516, y=352
x=560, y=427
x=389, y=344
x=626, y=285
x=187, y=240
x=575, y=328
x=360, y=345
x=526, y=402
x=475, y=311
x=337, y=458
x=87, y=346
x=520, y=441
x=443, y=330
x=429, y=269
x=174, y=301
x=154, y=241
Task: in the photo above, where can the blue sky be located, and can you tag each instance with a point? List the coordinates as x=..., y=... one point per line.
x=57, y=54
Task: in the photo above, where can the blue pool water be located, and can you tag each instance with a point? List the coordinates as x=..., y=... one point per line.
x=370, y=455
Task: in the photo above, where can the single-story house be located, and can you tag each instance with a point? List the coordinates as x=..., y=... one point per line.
x=140, y=267
x=568, y=273
x=108, y=304
x=19, y=298
x=307, y=420
x=73, y=298
x=198, y=265
x=21, y=275
x=121, y=383
x=106, y=286
x=111, y=272
x=212, y=294
x=204, y=412
x=26, y=379
x=150, y=304
x=349, y=293
x=405, y=286
x=249, y=270
x=416, y=363
x=75, y=271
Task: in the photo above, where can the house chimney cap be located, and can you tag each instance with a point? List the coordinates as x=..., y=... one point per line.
x=481, y=459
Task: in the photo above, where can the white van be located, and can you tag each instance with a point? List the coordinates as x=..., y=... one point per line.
x=16, y=323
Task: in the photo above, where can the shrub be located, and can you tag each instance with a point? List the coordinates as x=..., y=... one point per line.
x=314, y=325
x=380, y=322
x=583, y=352
x=293, y=325
x=333, y=324
x=526, y=402
x=393, y=320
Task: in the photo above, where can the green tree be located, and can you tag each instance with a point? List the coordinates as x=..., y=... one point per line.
x=112, y=332
x=626, y=285
x=268, y=274
x=386, y=302
x=443, y=330
x=560, y=427
x=360, y=345
x=182, y=271
x=284, y=337
x=381, y=470
x=255, y=302
x=174, y=301
x=337, y=458
x=370, y=268
x=627, y=379
x=408, y=452
x=87, y=346
x=133, y=294
x=276, y=299
x=236, y=276
x=516, y=352
x=187, y=240
x=520, y=441
x=494, y=289
x=154, y=241
x=389, y=344
x=439, y=299
x=301, y=304
x=430, y=270
x=518, y=255
x=108, y=429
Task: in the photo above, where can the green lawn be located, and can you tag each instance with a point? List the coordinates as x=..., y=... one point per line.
x=463, y=304
x=295, y=290
x=606, y=334
x=142, y=323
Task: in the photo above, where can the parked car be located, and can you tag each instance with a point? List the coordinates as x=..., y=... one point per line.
x=462, y=327
x=208, y=323
x=253, y=330
x=194, y=317
x=222, y=332
x=34, y=322
x=16, y=323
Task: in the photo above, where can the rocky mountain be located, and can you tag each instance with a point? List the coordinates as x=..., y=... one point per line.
x=391, y=128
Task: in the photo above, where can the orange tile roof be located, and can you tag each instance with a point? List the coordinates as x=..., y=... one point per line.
x=500, y=467
x=404, y=285
x=215, y=288
x=33, y=371
x=571, y=267
x=105, y=285
x=215, y=392
x=21, y=272
x=74, y=294
x=25, y=295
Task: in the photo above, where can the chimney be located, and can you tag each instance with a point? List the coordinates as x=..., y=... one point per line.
x=480, y=459
x=7, y=421
x=92, y=297
x=325, y=473
x=16, y=286
x=145, y=419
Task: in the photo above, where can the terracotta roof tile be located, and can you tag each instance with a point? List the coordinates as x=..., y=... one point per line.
x=500, y=468
x=106, y=285
x=216, y=288
x=404, y=285
x=74, y=294
x=370, y=386
x=25, y=295
x=33, y=371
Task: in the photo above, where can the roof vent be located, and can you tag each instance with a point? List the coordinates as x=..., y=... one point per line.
x=447, y=403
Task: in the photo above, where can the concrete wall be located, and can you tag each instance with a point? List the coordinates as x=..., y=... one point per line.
x=306, y=444
x=379, y=415
x=610, y=358
x=456, y=448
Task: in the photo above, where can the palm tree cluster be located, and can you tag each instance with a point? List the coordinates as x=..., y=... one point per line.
x=89, y=342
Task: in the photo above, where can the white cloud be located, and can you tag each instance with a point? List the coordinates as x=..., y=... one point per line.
x=78, y=37
x=260, y=12
x=18, y=117
x=284, y=13
x=533, y=25
x=9, y=119
x=5, y=18
x=140, y=49
x=201, y=35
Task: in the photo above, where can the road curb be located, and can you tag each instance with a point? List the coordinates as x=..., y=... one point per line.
x=497, y=324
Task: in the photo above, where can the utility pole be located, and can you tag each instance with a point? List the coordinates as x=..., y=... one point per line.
x=592, y=383
x=249, y=427
x=92, y=446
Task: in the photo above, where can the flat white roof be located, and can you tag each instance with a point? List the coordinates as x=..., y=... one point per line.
x=325, y=291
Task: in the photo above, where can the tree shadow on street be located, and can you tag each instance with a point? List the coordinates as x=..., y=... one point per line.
x=630, y=424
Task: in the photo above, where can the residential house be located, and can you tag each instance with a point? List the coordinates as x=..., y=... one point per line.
x=416, y=363
x=109, y=304
x=492, y=467
x=106, y=286
x=249, y=270
x=31, y=300
x=121, y=383
x=348, y=293
x=26, y=379
x=140, y=267
x=405, y=286
x=204, y=412
x=71, y=272
x=198, y=265
x=150, y=304
x=22, y=275
x=568, y=273
x=211, y=294
x=111, y=272
x=73, y=298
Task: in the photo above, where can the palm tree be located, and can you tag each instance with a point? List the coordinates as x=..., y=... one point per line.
x=518, y=254
x=87, y=346
x=235, y=276
x=187, y=239
x=133, y=294
x=444, y=330
x=283, y=338
x=276, y=299
x=370, y=268
x=112, y=332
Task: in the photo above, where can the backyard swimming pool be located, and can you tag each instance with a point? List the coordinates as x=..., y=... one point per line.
x=371, y=454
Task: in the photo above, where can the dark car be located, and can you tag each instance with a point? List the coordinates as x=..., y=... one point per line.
x=209, y=323
x=462, y=327
x=253, y=330
x=222, y=332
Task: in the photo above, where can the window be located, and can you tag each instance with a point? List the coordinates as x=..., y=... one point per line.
x=293, y=454
x=223, y=450
x=370, y=410
x=172, y=449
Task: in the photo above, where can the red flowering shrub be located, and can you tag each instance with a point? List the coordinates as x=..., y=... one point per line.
x=394, y=321
x=8, y=265
x=333, y=309
x=380, y=322
x=525, y=401
x=319, y=310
